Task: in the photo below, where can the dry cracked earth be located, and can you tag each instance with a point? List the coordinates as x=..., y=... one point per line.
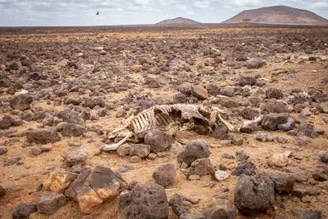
x=62, y=89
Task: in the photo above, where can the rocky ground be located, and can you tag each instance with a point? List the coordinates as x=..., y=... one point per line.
x=61, y=91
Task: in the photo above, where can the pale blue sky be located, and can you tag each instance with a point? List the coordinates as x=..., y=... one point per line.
x=115, y=12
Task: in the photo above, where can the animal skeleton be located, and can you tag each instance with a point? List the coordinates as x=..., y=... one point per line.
x=162, y=116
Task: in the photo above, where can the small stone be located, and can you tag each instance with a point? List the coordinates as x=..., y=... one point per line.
x=75, y=155
x=59, y=181
x=42, y=136
x=241, y=155
x=193, y=177
x=254, y=63
x=321, y=177
x=228, y=156
x=221, y=175
x=3, y=150
x=50, y=202
x=199, y=91
x=35, y=150
x=192, y=216
x=237, y=139
x=159, y=141
x=194, y=150
x=12, y=161
x=152, y=156
x=123, y=150
x=245, y=167
x=23, y=210
x=135, y=159
x=46, y=147
x=311, y=214
x=165, y=175
x=324, y=158
x=201, y=167
x=2, y=191
x=278, y=160
x=140, y=150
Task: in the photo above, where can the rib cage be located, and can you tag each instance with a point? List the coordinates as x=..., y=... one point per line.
x=163, y=115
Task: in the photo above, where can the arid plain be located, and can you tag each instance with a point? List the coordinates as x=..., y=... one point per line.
x=62, y=89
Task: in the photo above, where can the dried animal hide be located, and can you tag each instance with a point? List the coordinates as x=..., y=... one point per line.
x=161, y=116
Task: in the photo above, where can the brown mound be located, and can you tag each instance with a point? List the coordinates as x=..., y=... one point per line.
x=178, y=21
x=281, y=15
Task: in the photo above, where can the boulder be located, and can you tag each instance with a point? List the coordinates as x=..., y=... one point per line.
x=254, y=63
x=245, y=167
x=42, y=136
x=50, y=202
x=199, y=91
x=248, y=113
x=246, y=80
x=194, y=150
x=159, y=141
x=275, y=122
x=6, y=121
x=23, y=210
x=75, y=155
x=254, y=194
x=21, y=102
x=274, y=93
x=70, y=117
x=91, y=102
x=221, y=209
x=144, y=201
x=165, y=175
x=275, y=106
x=70, y=129
x=201, y=167
x=93, y=187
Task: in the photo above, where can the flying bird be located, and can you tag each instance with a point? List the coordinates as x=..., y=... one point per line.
x=97, y=13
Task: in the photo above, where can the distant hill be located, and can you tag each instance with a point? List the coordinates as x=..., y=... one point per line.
x=280, y=15
x=179, y=21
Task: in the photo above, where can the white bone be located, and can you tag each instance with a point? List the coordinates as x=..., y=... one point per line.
x=113, y=147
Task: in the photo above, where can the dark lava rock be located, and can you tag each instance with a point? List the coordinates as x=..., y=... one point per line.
x=91, y=102
x=277, y=122
x=144, y=201
x=254, y=63
x=6, y=121
x=2, y=191
x=275, y=106
x=221, y=209
x=140, y=150
x=308, y=130
x=213, y=89
x=324, y=158
x=227, y=91
x=245, y=167
x=274, y=93
x=42, y=136
x=23, y=211
x=201, y=167
x=249, y=113
x=319, y=176
x=194, y=150
x=165, y=175
x=185, y=88
x=21, y=102
x=50, y=202
x=311, y=214
x=70, y=117
x=221, y=132
x=70, y=129
x=158, y=140
x=246, y=80
x=93, y=187
x=12, y=161
x=254, y=194
x=283, y=183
